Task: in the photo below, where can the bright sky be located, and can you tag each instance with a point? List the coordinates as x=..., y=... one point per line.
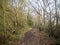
x=35, y=4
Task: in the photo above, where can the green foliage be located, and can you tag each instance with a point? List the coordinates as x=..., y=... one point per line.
x=12, y=21
x=29, y=20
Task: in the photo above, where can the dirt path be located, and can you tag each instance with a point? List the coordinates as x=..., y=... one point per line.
x=35, y=37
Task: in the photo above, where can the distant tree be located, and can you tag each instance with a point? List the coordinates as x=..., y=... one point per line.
x=29, y=18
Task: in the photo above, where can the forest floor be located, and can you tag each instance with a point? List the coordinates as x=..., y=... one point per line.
x=35, y=37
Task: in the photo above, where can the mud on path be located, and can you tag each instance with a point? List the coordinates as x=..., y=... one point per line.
x=36, y=37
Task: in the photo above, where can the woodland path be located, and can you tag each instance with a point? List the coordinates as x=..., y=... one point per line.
x=35, y=37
